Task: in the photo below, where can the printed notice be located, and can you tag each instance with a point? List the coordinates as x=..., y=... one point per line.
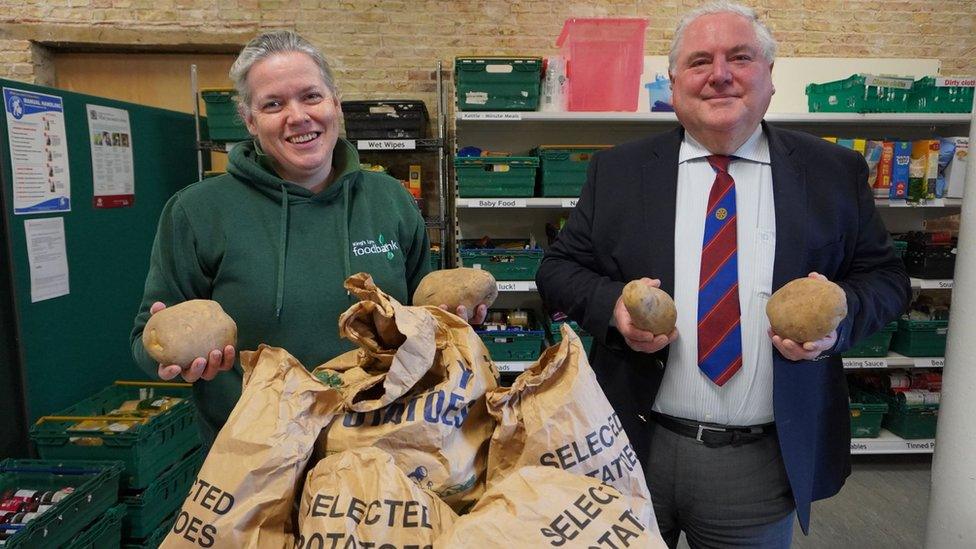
x=38, y=152
x=46, y=258
x=110, y=137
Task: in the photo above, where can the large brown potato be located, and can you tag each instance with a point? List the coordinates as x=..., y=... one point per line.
x=650, y=308
x=183, y=332
x=453, y=287
x=806, y=309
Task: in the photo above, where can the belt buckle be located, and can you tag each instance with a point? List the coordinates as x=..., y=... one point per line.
x=703, y=428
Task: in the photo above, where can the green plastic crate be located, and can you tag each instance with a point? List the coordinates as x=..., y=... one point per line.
x=506, y=345
x=435, y=260
x=495, y=176
x=563, y=168
x=867, y=412
x=928, y=96
x=147, y=450
x=497, y=83
x=223, y=121
x=874, y=345
x=155, y=539
x=920, y=337
x=901, y=246
x=860, y=93
x=105, y=533
x=96, y=488
x=910, y=420
x=147, y=508
x=504, y=264
x=555, y=335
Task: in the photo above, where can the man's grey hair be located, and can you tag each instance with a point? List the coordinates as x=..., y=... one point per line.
x=767, y=44
x=266, y=45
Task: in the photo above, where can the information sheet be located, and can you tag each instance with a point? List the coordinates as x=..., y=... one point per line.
x=46, y=258
x=38, y=152
x=111, y=149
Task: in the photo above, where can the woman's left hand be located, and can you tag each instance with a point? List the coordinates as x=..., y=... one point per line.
x=480, y=313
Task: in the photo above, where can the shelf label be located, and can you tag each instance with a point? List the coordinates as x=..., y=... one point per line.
x=927, y=284
x=855, y=446
x=854, y=363
x=386, y=144
x=964, y=82
x=938, y=362
x=510, y=366
x=491, y=116
x=920, y=444
x=569, y=202
x=889, y=82
x=516, y=286
x=496, y=203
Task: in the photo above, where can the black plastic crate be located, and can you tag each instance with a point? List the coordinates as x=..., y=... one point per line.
x=385, y=119
x=930, y=255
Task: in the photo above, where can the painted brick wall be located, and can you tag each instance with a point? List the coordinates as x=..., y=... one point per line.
x=390, y=47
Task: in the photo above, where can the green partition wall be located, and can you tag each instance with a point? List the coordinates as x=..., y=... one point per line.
x=63, y=349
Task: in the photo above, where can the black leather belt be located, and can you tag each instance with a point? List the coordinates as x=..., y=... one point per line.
x=711, y=435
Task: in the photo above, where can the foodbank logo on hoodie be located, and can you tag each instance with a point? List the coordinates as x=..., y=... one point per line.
x=373, y=247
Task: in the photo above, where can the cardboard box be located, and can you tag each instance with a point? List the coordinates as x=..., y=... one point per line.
x=902, y=156
x=927, y=151
x=882, y=183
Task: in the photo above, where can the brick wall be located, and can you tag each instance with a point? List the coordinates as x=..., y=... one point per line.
x=389, y=47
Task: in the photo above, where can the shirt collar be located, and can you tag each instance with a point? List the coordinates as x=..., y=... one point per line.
x=755, y=149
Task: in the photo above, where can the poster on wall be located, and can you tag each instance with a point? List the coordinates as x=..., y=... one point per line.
x=110, y=137
x=38, y=152
x=46, y=258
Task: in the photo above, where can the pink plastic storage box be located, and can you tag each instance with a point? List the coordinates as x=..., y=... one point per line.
x=604, y=62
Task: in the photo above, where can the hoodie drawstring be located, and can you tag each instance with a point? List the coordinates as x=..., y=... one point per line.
x=282, y=252
x=346, y=244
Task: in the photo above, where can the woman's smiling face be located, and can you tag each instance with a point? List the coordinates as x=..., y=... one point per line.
x=294, y=116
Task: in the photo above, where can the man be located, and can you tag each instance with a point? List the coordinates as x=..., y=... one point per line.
x=733, y=446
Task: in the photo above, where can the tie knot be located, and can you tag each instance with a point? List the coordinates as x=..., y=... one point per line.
x=720, y=162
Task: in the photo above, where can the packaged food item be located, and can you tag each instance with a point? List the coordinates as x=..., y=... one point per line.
x=902, y=155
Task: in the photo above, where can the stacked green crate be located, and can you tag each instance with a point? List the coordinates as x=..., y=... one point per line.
x=223, y=121
x=911, y=421
x=148, y=445
x=95, y=488
x=860, y=93
x=867, y=413
x=555, y=333
x=563, y=168
x=503, y=263
x=435, y=260
x=155, y=539
x=147, y=509
x=936, y=95
x=104, y=533
x=920, y=337
x=876, y=344
x=498, y=83
x=514, y=344
x=495, y=176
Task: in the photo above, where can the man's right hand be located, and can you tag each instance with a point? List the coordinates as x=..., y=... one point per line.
x=201, y=368
x=637, y=339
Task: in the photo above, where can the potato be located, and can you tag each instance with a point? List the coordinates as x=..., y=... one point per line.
x=183, y=332
x=650, y=308
x=806, y=309
x=453, y=287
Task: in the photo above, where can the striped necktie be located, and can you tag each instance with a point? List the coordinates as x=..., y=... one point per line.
x=719, y=334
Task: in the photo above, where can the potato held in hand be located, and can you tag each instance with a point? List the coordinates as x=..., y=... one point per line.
x=650, y=308
x=806, y=309
x=453, y=287
x=183, y=332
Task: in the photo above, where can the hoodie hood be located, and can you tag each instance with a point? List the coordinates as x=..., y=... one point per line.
x=248, y=164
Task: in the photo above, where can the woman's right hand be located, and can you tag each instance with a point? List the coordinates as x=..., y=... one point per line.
x=219, y=360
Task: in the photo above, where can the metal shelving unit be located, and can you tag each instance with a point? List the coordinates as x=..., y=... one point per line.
x=518, y=132
x=436, y=144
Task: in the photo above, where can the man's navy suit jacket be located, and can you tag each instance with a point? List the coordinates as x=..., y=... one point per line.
x=623, y=229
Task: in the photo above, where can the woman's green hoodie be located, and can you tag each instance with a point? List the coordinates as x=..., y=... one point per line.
x=275, y=255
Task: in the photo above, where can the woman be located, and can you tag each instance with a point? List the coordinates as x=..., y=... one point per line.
x=273, y=239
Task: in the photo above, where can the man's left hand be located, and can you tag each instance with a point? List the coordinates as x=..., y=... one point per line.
x=476, y=319
x=803, y=351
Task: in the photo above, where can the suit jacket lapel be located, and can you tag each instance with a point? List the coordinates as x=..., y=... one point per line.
x=659, y=184
x=790, y=205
